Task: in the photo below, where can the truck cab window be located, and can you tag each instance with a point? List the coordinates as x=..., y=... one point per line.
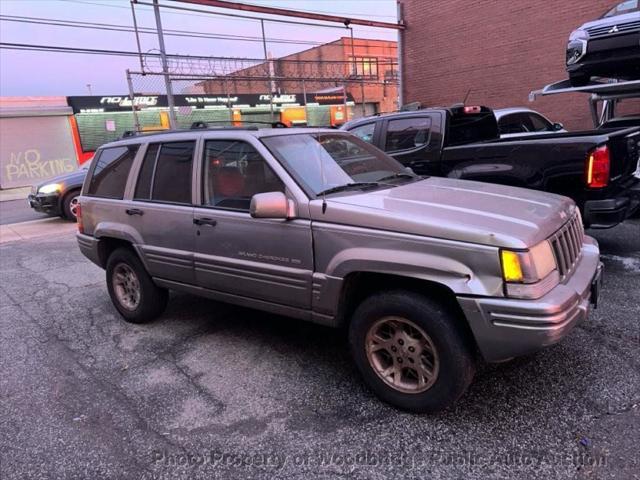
x=407, y=133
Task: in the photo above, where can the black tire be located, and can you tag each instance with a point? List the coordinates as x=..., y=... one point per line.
x=67, y=204
x=448, y=335
x=152, y=299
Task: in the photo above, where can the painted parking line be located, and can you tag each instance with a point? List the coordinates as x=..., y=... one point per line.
x=22, y=231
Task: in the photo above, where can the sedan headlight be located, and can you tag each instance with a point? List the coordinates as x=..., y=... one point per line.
x=50, y=188
x=529, y=273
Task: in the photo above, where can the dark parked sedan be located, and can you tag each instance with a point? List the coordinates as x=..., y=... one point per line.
x=607, y=47
x=59, y=195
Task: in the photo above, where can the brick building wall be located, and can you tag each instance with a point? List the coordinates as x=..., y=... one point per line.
x=498, y=49
x=328, y=60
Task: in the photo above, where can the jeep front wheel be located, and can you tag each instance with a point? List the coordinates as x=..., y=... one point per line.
x=411, y=351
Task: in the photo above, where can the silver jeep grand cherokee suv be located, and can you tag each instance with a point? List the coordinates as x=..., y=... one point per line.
x=426, y=273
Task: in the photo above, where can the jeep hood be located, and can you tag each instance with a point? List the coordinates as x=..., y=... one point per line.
x=453, y=209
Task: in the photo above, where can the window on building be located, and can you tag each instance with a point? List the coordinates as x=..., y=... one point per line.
x=111, y=170
x=234, y=172
x=364, y=66
x=165, y=175
x=406, y=133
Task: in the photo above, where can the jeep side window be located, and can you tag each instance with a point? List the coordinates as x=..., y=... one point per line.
x=407, y=133
x=110, y=171
x=234, y=172
x=165, y=175
x=364, y=132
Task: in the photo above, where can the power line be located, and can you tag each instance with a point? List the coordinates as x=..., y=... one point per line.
x=168, y=32
x=128, y=53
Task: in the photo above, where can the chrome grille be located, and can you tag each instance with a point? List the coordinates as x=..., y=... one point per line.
x=621, y=28
x=567, y=245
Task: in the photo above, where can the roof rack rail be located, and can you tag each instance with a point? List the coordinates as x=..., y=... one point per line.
x=133, y=133
x=205, y=125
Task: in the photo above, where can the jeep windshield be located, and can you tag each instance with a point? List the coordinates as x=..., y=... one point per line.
x=324, y=163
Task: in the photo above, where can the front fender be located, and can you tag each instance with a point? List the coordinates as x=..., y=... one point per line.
x=422, y=266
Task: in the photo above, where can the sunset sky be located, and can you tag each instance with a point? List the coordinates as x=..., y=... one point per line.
x=46, y=73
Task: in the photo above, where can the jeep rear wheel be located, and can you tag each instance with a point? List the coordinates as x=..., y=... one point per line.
x=132, y=291
x=411, y=351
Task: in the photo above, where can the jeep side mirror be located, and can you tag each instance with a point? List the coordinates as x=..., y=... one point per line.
x=557, y=126
x=270, y=205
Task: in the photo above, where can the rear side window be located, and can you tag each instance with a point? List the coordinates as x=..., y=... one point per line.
x=110, y=172
x=165, y=175
x=512, y=124
x=539, y=124
x=143, y=188
x=406, y=133
x=472, y=127
x=364, y=132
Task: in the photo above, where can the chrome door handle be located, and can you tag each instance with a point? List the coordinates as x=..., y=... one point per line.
x=134, y=211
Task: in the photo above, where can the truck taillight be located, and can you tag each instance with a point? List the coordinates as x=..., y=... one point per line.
x=79, y=218
x=597, y=168
x=472, y=109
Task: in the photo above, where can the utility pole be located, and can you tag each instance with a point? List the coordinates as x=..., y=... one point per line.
x=355, y=70
x=132, y=97
x=400, y=53
x=173, y=121
x=268, y=64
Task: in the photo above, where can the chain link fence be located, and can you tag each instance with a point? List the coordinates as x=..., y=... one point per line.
x=235, y=91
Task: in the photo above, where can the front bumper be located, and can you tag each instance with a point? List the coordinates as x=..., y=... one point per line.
x=506, y=328
x=49, y=203
x=609, y=56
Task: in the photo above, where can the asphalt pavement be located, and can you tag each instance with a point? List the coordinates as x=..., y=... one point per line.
x=216, y=391
x=16, y=211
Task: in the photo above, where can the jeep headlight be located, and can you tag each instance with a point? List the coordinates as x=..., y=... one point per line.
x=50, y=188
x=529, y=273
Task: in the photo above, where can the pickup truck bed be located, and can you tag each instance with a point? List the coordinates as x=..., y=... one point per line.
x=451, y=143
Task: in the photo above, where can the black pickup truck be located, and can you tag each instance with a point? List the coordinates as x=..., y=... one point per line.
x=599, y=170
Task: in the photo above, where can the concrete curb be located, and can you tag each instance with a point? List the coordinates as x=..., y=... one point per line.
x=14, y=194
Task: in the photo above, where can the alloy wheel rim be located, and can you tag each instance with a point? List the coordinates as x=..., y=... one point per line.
x=73, y=206
x=126, y=286
x=402, y=354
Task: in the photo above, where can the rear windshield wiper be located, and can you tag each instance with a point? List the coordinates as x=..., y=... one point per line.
x=348, y=186
x=399, y=175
